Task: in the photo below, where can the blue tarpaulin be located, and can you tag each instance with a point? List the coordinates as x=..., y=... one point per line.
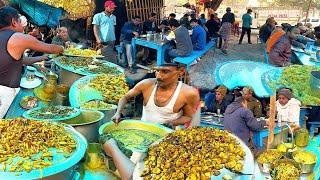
x=40, y=13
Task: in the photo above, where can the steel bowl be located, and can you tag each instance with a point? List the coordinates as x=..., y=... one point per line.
x=305, y=168
x=265, y=167
x=87, y=123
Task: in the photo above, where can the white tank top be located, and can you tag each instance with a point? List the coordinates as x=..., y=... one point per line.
x=156, y=114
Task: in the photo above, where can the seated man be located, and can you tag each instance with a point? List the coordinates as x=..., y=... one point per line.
x=240, y=121
x=165, y=99
x=130, y=30
x=198, y=36
x=164, y=24
x=254, y=105
x=182, y=39
x=150, y=24
x=217, y=102
x=62, y=38
x=317, y=35
x=288, y=108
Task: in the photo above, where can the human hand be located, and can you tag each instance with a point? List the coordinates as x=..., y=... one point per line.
x=116, y=118
x=136, y=34
x=98, y=41
x=42, y=58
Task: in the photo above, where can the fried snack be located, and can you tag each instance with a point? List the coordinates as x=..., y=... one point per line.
x=89, y=64
x=285, y=170
x=81, y=52
x=269, y=156
x=111, y=87
x=25, y=144
x=100, y=105
x=297, y=78
x=305, y=157
x=195, y=153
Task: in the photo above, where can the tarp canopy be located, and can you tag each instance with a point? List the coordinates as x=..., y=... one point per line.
x=248, y=73
x=39, y=13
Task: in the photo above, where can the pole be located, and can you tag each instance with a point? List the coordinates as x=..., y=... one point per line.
x=271, y=120
x=305, y=22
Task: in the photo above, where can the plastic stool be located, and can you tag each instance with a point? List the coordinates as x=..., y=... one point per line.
x=120, y=51
x=313, y=126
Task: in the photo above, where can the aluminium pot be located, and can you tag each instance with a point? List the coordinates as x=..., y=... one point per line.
x=87, y=123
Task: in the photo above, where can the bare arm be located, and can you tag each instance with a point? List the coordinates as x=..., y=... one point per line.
x=96, y=33
x=19, y=42
x=189, y=109
x=135, y=91
x=31, y=60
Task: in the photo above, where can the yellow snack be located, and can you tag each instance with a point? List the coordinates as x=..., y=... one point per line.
x=305, y=157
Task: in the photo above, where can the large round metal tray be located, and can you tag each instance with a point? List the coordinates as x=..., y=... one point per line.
x=83, y=71
x=69, y=116
x=80, y=92
x=247, y=168
x=135, y=124
x=60, y=163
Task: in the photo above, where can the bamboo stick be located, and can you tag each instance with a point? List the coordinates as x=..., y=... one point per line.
x=271, y=120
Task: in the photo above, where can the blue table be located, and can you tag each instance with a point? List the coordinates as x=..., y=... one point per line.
x=305, y=59
x=156, y=44
x=258, y=136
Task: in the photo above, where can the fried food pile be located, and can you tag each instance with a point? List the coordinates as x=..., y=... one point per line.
x=89, y=64
x=305, y=157
x=285, y=170
x=297, y=78
x=81, y=52
x=195, y=153
x=111, y=87
x=269, y=156
x=100, y=105
x=25, y=144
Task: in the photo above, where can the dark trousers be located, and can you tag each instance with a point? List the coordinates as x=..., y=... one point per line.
x=244, y=30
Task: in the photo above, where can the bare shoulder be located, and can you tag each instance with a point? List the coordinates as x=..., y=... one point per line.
x=145, y=83
x=190, y=92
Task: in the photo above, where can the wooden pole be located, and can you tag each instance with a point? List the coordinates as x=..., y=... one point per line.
x=271, y=120
x=305, y=22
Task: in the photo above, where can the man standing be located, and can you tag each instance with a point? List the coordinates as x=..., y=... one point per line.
x=165, y=99
x=253, y=104
x=103, y=29
x=130, y=30
x=246, y=26
x=13, y=44
x=198, y=36
x=182, y=39
x=228, y=20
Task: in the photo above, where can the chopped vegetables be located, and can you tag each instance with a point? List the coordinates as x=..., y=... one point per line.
x=285, y=170
x=269, y=156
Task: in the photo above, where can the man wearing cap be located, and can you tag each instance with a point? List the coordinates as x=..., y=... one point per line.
x=104, y=29
x=13, y=43
x=254, y=104
x=165, y=99
x=288, y=108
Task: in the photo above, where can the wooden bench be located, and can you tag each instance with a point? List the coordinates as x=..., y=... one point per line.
x=194, y=55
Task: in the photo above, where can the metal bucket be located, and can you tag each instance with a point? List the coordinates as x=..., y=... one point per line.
x=68, y=77
x=315, y=83
x=87, y=124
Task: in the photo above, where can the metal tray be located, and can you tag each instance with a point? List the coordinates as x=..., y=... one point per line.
x=60, y=163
